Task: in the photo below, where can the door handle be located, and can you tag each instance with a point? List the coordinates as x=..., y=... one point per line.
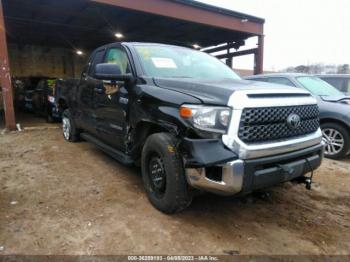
x=98, y=90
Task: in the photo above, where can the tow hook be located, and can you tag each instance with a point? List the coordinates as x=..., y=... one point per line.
x=306, y=180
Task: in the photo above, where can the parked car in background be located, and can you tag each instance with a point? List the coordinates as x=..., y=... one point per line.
x=334, y=109
x=340, y=82
x=37, y=95
x=191, y=123
x=63, y=91
x=43, y=99
x=23, y=92
x=18, y=85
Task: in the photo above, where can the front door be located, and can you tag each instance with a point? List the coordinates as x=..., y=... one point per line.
x=86, y=94
x=111, y=106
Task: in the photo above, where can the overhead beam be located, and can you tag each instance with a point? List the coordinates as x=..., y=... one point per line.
x=5, y=76
x=238, y=53
x=236, y=45
x=219, y=48
x=189, y=13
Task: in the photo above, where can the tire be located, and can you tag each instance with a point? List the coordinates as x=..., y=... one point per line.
x=70, y=133
x=337, y=140
x=167, y=188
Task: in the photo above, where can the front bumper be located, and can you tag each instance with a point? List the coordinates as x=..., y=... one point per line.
x=244, y=176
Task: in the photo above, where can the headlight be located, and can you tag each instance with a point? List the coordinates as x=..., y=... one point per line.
x=208, y=118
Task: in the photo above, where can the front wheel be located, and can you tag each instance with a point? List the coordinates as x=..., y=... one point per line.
x=337, y=140
x=163, y=174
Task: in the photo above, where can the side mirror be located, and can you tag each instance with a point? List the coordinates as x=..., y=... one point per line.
x=111, y=72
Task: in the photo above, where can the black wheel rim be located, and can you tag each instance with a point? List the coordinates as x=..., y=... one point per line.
x=157, y=174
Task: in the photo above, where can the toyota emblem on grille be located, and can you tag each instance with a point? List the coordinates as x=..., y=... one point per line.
x=293, y=121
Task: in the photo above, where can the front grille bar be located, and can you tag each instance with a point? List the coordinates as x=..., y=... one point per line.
x=268, y=124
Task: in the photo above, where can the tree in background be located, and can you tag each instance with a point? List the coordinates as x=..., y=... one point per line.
x=319, y=69
x=343, y=69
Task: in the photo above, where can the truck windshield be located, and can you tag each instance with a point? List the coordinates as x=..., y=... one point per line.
x=318, y=87
x=179, y=62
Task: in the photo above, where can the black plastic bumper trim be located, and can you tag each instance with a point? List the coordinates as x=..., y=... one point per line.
x=205, y=152
x=268, y=171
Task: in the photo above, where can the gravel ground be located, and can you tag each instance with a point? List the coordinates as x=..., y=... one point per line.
x=70, y=198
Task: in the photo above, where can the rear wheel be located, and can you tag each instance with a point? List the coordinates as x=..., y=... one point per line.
x=163, y=174
x=70, y=132
x=337, y=140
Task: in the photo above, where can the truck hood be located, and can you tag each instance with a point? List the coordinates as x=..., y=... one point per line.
x=216, y=92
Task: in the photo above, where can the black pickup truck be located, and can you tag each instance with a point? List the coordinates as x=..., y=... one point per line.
x=190, y=122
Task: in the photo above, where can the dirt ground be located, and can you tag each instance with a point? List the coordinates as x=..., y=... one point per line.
x=70, y=198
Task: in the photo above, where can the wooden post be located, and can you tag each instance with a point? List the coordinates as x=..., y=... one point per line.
x=259, y=57
x=229, y=59
x=5, y=76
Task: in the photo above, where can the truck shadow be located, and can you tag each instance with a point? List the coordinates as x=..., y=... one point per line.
x=345, y=160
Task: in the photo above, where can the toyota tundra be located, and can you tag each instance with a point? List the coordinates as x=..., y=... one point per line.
x=191, y=122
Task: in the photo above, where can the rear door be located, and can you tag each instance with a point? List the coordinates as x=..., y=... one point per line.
x=86, y=114
x=112, y=105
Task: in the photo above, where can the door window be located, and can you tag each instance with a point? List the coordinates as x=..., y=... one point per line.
x=98, y=58
x=338, y=83
x=347, y=86
x=118, y=56
x=87, y=88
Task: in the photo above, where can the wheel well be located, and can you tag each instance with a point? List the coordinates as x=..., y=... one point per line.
x=335, y=121
x=141, y=132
